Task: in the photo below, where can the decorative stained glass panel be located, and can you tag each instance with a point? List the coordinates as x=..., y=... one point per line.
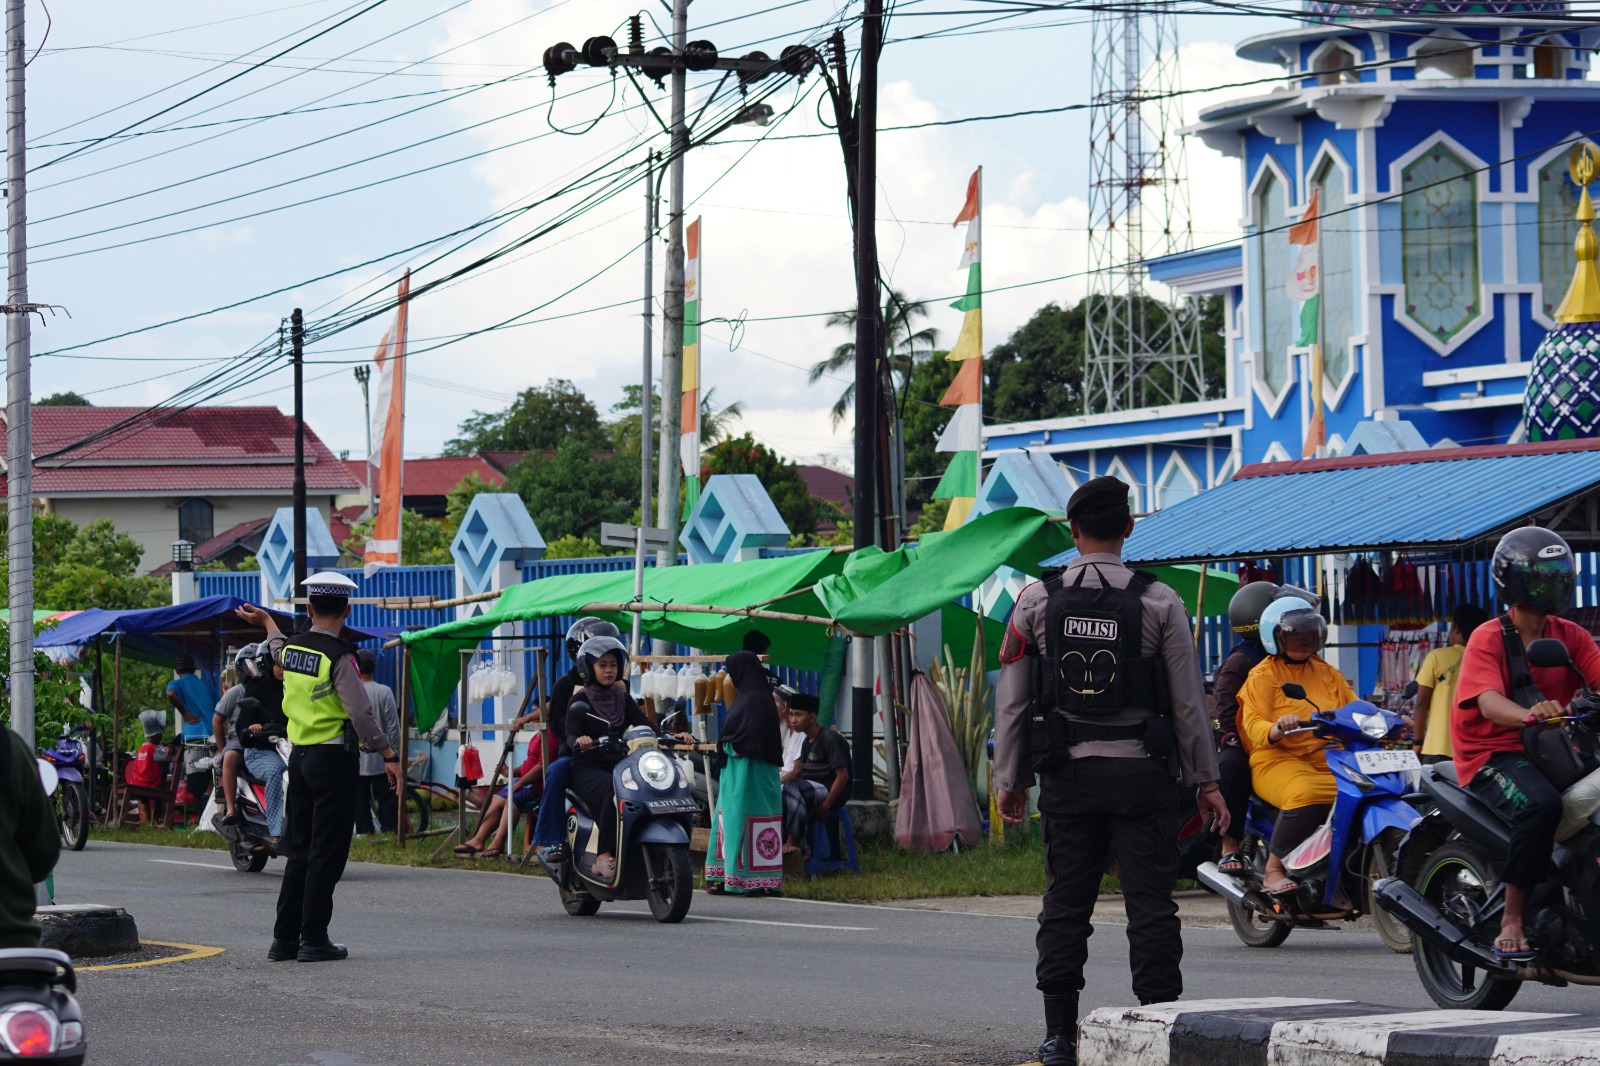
x=1339, y=290
x=1558, y=203
x=1439, y=242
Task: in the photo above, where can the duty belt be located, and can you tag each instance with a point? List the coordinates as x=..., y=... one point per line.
x=1084, y=732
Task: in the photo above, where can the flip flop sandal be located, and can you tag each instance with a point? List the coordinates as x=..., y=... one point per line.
x=1522, y=954
x=1232, y=865
x=1283, y=888
x=467, y=850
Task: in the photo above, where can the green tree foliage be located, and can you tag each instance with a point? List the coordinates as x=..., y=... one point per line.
x=907, y=346
x=932, y=518
x=781, y=478
x=570, y=547
x=460, y=498
x=540, y=420
x=63, y=399
x=55, y=694
x=576, y=489
x=923, y=419
x=1038, y=371
x=76, y=568
x=423, y=541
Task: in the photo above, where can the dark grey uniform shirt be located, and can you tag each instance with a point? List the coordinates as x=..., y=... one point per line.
x=1166, y=632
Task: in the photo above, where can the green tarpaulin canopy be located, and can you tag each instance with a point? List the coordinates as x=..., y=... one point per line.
x=869, y=592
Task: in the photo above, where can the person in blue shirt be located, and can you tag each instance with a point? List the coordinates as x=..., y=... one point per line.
x=192, y=697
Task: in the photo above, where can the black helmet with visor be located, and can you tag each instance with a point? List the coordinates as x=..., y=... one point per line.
x=1534, y=569
x=596, y=648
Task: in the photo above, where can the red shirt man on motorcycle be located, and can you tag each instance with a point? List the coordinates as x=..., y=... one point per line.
x=1534, y=575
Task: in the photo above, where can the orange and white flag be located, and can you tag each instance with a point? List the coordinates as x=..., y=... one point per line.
x=388, y=430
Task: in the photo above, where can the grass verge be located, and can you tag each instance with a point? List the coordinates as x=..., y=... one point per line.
x=887, y=873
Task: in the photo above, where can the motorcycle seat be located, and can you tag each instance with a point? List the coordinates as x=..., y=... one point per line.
x=1474, y=818
x=1263, y=809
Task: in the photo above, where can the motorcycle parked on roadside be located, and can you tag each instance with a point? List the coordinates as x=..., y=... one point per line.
x=654, y=812
x=70, y=758
x=1338, y=864
x=1454, y=903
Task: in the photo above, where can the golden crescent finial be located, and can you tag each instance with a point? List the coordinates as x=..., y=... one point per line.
x=1583, y=164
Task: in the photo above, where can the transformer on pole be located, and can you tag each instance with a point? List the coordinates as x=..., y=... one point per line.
x=1141, y=351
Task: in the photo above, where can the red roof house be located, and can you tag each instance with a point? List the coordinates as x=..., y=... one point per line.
x=181, y=475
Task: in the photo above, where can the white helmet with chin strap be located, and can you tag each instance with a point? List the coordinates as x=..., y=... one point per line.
x=1293, y=611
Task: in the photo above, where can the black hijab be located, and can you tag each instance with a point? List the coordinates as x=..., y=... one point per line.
x=752, y=722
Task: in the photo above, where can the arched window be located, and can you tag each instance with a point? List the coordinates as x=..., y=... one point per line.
x=1439, y=241
x=1334, y=64
x=1275, y=261
x=1338, y=254
x=1558, y=203
x=1548, y=59
x=1444, y=57
x=194, y=521
x=1177, y=483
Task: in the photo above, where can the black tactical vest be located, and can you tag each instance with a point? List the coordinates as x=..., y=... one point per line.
x=1093, y=663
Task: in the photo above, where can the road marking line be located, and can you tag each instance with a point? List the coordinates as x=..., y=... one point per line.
x=792, y=925
x=907, y=910
x=180, y=862
x=192, y=951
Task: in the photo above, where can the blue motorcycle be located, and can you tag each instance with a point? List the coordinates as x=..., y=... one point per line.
x=73, y=811
x=1356, y=847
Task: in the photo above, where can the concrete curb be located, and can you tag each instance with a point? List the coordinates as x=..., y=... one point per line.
x=1330, y=1032
x=88, y=930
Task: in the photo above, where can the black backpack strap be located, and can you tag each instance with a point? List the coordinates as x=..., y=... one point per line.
x=1523, y=691
x=1142, y=580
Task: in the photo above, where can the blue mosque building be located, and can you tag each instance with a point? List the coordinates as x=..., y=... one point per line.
x=1436, y=138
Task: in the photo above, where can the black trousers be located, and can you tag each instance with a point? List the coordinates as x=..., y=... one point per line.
x=320, y=814
x=1511, y=784
x=595, y=785
x=1233, y=768
x=1095, y=809
x=375, y=789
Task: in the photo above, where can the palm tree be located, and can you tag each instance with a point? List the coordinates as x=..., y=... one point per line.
x=906, y=346
x=715, y=422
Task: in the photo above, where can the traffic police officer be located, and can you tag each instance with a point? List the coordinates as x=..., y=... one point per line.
x=1100, y=694
x=330, y=720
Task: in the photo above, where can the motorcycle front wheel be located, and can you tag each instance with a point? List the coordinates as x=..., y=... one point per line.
x=671, y=881
x=579, y=904
x=245, y=859
x=1391, y=930
x=72, y=814
x=1458, y=881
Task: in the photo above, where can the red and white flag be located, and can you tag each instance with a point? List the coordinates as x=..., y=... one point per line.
x=388, y=430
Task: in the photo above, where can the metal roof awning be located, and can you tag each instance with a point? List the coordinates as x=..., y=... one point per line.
x=1436, y=499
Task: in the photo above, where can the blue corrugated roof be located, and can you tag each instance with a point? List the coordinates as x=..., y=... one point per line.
x=1327, y=506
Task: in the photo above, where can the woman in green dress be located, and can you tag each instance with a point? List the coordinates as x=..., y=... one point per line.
x=746, y=854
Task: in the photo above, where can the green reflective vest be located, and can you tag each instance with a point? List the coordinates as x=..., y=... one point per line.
x=311, y=704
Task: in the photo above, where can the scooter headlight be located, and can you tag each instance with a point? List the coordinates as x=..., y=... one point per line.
x=1372, y=725
x=656, y=769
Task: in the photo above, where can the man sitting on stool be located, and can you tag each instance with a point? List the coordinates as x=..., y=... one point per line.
x=820, y=782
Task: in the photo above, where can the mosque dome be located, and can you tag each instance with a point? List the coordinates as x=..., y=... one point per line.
x=1563, y=398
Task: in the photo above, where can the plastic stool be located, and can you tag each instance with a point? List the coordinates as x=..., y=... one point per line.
x=833, y=845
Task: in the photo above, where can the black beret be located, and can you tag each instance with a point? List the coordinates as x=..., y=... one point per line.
x=1099, y=493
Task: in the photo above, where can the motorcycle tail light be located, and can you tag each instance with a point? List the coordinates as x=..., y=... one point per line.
x=30, y=1033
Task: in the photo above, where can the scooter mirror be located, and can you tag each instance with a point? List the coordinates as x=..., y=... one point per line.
x=1549, y=652
x=1292, y=690
x=1409, y=691
x=48, y=777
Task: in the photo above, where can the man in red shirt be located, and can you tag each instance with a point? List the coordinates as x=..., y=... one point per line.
x=1534, y=574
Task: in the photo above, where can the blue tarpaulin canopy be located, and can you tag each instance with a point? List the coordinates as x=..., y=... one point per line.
x=1441, y=498
x=202, y=628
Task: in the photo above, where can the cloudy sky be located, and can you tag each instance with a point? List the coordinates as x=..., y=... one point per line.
x=421, y=118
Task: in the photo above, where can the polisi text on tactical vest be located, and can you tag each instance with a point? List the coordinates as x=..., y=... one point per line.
x=1089, y=628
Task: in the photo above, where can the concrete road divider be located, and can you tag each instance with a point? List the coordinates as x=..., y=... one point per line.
x=1331, y=1032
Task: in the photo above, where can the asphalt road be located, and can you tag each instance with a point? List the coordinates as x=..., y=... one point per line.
x=472, y=968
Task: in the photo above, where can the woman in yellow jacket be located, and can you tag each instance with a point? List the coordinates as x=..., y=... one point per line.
x=1289, y=772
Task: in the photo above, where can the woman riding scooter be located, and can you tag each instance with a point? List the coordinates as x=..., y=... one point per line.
x=600, y=711
x=1290, y=772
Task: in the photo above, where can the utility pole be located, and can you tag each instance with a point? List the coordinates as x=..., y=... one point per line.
x=19, y=388
x=672, y=299
x=647, y=385
x=363, y=375
x=297, y=355
x=867, y=377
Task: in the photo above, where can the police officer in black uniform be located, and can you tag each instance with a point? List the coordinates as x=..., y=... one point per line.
x=1100, y=695
x=330, y=722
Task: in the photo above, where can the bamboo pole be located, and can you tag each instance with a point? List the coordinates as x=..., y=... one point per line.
x=405, y=746
x=116, y=726
x=1200, y=606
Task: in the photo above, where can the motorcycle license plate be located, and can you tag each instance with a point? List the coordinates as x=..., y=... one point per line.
x=1387, y=762
x=671, y=805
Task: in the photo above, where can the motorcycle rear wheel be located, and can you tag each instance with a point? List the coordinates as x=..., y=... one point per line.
x=245, y=859
x=1255, y=931
x=72, y=814
x=672, y=886
x=1457, y=880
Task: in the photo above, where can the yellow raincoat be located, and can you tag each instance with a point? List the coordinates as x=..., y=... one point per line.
x=1293, y=772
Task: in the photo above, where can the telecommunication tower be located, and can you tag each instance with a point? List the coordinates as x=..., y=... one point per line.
x=1141, y=351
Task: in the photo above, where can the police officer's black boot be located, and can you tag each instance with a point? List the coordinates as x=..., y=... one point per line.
x=1060, y=1047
